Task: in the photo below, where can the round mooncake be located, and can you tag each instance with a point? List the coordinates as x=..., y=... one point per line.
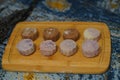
x=26, y=47
x=51, y=34
x=48, y=48
x=91, y=34
x=71, y=34
x=29, y=33
x=68, y=47
x=90, y=48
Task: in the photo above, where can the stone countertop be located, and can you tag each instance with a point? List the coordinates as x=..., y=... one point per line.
x=79, y=11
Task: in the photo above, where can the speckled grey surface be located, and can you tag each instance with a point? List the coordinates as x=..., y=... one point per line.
x=83, y=12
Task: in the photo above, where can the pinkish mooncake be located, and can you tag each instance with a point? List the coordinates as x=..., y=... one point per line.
x=68, y=47
x=48, y=48
x=91, y=34
x=26, y=47
x=90, y=48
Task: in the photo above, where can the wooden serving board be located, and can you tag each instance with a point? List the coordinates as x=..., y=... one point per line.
x=12, y=60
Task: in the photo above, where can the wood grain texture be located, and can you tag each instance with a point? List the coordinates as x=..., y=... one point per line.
x=12, y=60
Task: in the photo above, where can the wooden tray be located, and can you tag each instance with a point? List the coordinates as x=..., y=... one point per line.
x=14, y=61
